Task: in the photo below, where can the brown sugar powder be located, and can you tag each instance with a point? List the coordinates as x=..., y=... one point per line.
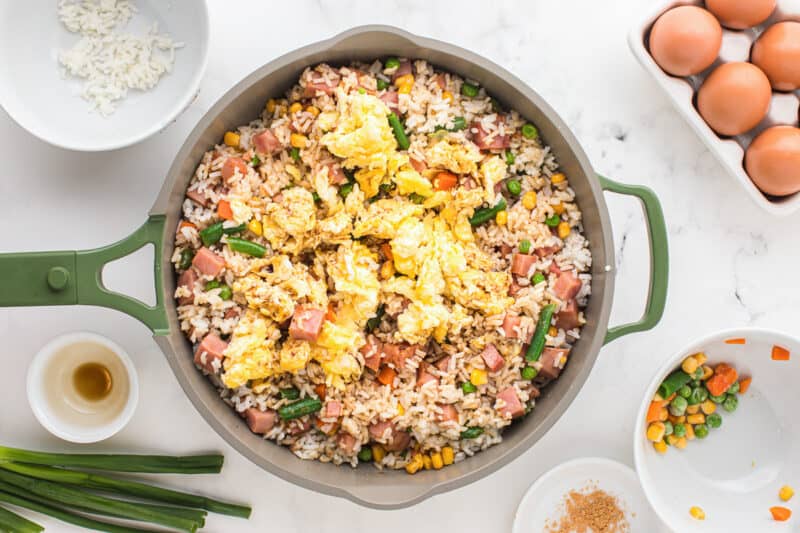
x=590, y=510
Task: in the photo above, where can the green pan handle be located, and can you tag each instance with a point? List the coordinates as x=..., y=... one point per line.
x=659, y=258
x=69, y=278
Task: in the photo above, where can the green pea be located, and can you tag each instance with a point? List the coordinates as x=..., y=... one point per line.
x=470, y=90
x=365, y=454
x=382, y=84
x=255, y=161
x=514, y=187
x=733, y=389
x=701, y=431
x=538, y=278
x=685, y=391
x=702, y=394
x=553, y=221
x=295, y=153
x=529, y=131
x=468, y=388
x=187, y=254
x=717, y=399
x=695, y=383
x=698, y=374
x=225, y=292
x=714, y=420
x=679, y=430
x=668, y=428
x=362, y=90
x=529, y=373
x=345, y=190
x=731, y=403
x=213, y=284
x=510, y=157
x=524, y=246
x=678, y=405
x=392, y=62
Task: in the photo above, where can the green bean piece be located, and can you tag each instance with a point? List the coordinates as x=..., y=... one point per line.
x=303, y=407
x=212, y=234
x=290, y=393
x=255, y=161
x=213, y=284
x=295, y=153
x=187, y=254
x=468, y=388
x=510, y=157
x=485, y=214
x=538, y=278
x=246, y=247
x=365, y=454
x=524, y=246
x=529, y=373
x=392, y=62
x=346, y=189
x=225, y=292
x=459, y=123
x=399, y=132
x=678, y=405
x=496, y=107
x=382, y=84
x=701, y=431
x=514, y=187
x=685, y=391
x=668, y=428
x=468, y=89
x=679, y=430
x=472, y=433
x=233, y=230
x=717, y=399
x=714, y=420
x=553, y=221
x=375, y=321
x=674, y=381
x=534, y=351
x=529, y=131
x=731, y=403
x=733, y=389
x=316, y=197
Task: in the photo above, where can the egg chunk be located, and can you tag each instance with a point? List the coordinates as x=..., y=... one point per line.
x=251, y=353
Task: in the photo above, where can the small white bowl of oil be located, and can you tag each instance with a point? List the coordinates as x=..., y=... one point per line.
x=82, y=387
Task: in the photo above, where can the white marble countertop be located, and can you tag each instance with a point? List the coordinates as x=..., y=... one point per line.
x=732, y=264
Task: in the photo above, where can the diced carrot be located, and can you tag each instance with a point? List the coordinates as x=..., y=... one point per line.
x=186, y=224
x=224, y=210
x=386, y=250
x=744, y=384
x=780, y=514
x=724, y=376
x=320, y=389
x=671, y=397
x=736, y=341
x=445, y=181
x=654, y=411
x=325, y=427
x=330, y=316
x=780, y=354
x=387, y=375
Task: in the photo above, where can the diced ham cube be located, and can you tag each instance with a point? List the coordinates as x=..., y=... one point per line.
x=402, y=70
x=372, y=351
x=377, y=429
x=441, y=80
x=260, y=421
x=521, y=264
x=494, y=361
x=321, y=84
x=511, y=326
x=197, y=197
x=210, y=350
x=306, y=323
x=546, y=251
x=299, y=426
x=266, y=142
x=398, y=354
x=233, y=165
x=333, y=409
x=505, y=249
x=554, y=268
x=552, y=363
x=336, y=175
x=346, y=442
x=233, y=312
x=488, y=141
x=418, y=165
x=511, y=406
x=208, y=263
x=567, y=286
x=443, y=364
x=423, y=376
x=514, y=288
x=448, y=414
x=187, y=279
x=567, y=318
x=390, y=99
x=535, y=392
x=399, y=442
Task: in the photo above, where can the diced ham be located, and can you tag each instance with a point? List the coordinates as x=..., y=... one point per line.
x=488, y=141
x=521, y=264
x=514, y=288
x=567, y=318
x=441, y=81
x=266, y=142
x=346, y=442
x=306, y=323
x=551, y=363
x=333, y=409
x=505, y=249
x=402, y=70
x=377, y=429
x=423, y=376
x=554, y=269
x=372, y=353
x=336, y=175
x=397, y=440
x=448, y=414
x=232, y=165
x=299, y=426
x=208, y=263
x=187, y=279
x=511, y=406
x=390, y=99
x=567, y=286
x=494, y=361
x=197, y=197
x=443, y=364
x=260, y=421
x=535, y=392
x=319, y=83
x=398, y=354
x=546, y=251
x=418, y=165
x=210, y=351
x=511, y=325
x=232, y=312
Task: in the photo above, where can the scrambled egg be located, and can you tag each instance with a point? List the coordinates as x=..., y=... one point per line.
x=383, y=218
x=492, y=171
x=250, y=354
x=454, y=155
x=353, y=270
x=287, y=222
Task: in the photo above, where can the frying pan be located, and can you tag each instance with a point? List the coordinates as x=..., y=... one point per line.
x=75, y=277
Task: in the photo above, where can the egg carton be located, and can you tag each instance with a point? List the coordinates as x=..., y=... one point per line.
x=736, y=46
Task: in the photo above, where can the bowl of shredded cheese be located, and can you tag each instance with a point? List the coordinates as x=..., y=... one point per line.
x=95, y=75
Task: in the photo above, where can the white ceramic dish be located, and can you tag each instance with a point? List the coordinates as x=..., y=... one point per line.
x=542, y=503
x=735, y=47
x=56, y=405
x=34, y=93
x=735, y=473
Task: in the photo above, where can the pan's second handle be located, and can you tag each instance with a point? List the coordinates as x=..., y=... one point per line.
x=659, y=257
x=68, y=278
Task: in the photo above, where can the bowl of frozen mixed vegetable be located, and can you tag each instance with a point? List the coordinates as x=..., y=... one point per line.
x=716, y=434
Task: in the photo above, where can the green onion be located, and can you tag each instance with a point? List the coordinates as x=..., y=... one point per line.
x=485, y=214
x=392, y=62
x=225, y=292
x=246, y=247
x=295, y=153
x=553, y=221
x=290, y=394
x=399, y=132
x=303, y=407
x=187, y=254
x=346, y=189
x=315, y=196
x=212, y=234
x=510, y=157
x=529, y=131
x=524, y=246
x=375, y=321
x=15, y=523
x=382, y=84
x=255, y=161
x=459, y=123
x=537, y=342
x=416, y=198
x=529, y=373
x=233, y=230
x=468, y=89
x=538, y=278
x=472, y=433
x=468, y=388
x=514, y=187
x=365, y=454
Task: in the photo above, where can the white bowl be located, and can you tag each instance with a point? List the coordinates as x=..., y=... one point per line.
x=34, y=93
x=66, y=415
x=735, y=473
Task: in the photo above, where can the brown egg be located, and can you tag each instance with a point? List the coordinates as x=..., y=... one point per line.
x=741, y=14
x=685, y=40
x=734, y=98
x=773, y=160
x=777, y=53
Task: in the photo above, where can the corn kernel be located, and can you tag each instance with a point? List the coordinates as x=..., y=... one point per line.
x=559, y=208
x=786, y=493
x=255, y=227
x=400, y=409
x=663, y=414
x=699, y=418
x=689, y=432
x=708, y=407
x=552, y=331
x=478, y=377
x=387, y=270
x=671, y=440
x=295, y=107
x=447, y=95
x=693, y=409
x=448, y=455
x=405, y=79
x=558, y=178
x=529, y=200
x=501, y=218
x=660, y=446
x=427, y=463
x=298, y=140
x=700, y=358
x=655, y=431
x=563, y=230
x=680, y=443
x=707, y=372
x=677, y=419
x=437, y=460
x=271, y=105
x=689, y=365
x=405, y=89
x=697, y=513
x=378, y=453
x=232, y=139
x=414, y=464
x=313, y=110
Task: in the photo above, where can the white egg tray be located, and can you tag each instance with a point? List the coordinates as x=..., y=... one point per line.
x=735, y=47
